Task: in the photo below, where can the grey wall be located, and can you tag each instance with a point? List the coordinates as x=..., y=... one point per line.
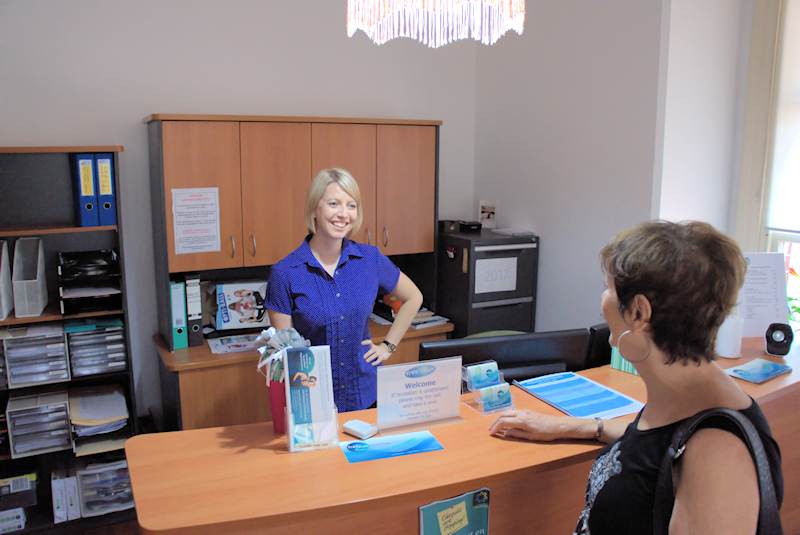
x=565, y=143
x=706, y=69
x=88, y=71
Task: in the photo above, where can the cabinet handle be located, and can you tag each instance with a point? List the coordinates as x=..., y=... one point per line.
x=233, y=247
x=385, y=236
x=369, y=237
x=255, y=247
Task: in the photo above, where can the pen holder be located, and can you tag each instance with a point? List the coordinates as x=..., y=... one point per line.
x=277, y=401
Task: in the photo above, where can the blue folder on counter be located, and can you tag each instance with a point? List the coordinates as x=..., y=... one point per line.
x=106, y=190
x=85, y=191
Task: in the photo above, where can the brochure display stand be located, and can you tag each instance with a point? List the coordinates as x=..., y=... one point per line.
x=311, y=417
x=492, y=393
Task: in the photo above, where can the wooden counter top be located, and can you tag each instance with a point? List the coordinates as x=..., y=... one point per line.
x=241, y=479
x=198, y=357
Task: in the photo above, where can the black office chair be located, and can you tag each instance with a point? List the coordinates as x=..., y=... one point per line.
x=599, y=349
x=518, y=357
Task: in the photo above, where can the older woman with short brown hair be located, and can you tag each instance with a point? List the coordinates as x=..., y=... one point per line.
x=669, y=288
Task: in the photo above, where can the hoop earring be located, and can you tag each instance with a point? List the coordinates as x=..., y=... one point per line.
x=623, y=353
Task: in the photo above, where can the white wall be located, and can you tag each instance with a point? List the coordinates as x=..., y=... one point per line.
x=88, y=71
x=708, y=45
x=565, y=138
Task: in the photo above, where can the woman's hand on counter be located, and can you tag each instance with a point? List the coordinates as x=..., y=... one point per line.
x=375, y=353
x=530, y=425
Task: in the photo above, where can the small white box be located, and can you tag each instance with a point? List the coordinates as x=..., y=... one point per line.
x=30, y=286
x=6, y=297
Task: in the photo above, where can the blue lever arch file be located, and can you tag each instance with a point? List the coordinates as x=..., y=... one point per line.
x=85, y=191
x=106, y=189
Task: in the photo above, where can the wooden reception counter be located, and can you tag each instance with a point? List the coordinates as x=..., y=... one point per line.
x=241, y=479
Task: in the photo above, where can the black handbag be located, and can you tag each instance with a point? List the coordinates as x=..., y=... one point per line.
x=769, y=520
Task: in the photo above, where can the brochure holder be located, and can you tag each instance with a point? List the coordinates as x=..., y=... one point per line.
x=6, y=297
x=490, y=391
x=30, y=287
x=311, y=419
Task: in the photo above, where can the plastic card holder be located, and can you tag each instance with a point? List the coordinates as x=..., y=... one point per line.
x=494, y=398
x=481, y=375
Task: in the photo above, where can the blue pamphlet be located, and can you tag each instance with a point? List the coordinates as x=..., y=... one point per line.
x=578, y=396
x=758, y=370
x=389, y=446
x=467, y=514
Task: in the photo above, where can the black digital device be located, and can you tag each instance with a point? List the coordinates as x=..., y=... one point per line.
x=779, y=338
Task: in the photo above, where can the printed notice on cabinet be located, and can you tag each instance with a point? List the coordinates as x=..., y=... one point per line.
x=195, y=220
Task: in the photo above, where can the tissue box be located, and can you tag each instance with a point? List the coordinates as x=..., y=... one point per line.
x=240, y=305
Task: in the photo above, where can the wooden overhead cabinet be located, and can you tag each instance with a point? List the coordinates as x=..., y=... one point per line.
x=263, y=166
x=276, y=173
x=406, y=188
x=203, y=154
x=350, y=147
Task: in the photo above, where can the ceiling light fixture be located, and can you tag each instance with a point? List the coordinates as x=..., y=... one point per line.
x=435, y=22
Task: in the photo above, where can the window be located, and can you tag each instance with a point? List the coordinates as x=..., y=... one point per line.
x=782, y=221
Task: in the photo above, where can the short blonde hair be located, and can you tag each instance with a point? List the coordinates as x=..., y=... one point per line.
x=325, y=178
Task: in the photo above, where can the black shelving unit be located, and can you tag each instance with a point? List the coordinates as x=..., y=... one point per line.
x=38, y=200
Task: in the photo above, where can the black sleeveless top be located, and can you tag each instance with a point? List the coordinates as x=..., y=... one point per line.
x=621, y=489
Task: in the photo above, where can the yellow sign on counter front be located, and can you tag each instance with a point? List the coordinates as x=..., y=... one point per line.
x=453, y=519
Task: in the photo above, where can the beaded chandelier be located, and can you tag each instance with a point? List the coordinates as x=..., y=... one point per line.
x=435, y=22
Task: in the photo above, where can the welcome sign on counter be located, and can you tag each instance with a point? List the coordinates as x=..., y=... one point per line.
x=419, y=392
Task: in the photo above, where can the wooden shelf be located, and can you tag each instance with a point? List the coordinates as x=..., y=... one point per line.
x=52, y=313
x=74, y=148
x=40, y=231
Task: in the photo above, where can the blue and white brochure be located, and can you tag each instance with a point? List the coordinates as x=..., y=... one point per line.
x=758, y=370
x=389, y=446
x=495, y=397
x=578, y=396
x=482, y=374
x=311, y=412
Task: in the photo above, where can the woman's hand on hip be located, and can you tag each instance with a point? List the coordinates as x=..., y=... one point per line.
x=375, y=354
x=529, y=425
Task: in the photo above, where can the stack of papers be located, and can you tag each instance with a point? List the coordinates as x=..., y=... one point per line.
x=97, y=410
x=579, y=396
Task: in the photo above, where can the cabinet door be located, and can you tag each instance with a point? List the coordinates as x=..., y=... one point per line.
x=351, y=147
x=276, y=173
x=406, y=188
x=200, y=154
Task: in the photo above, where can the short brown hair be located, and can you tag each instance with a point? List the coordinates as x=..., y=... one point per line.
x=691, y=274
x=325, y=178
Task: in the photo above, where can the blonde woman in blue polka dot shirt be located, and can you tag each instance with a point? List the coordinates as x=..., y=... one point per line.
x=326, y=289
